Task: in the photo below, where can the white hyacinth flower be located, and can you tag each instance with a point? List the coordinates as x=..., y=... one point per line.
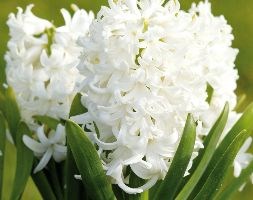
x=41, y=62
x=147, y=66
x=47, y=145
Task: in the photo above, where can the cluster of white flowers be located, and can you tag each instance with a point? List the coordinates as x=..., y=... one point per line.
x=146, y=66
x=41, y=68
x=41, y=62
x=141, y=66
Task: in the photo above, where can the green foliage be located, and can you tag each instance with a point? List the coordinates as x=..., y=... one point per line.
x=175, y=175
x=212, y=165
x=119, y=193
x=209, y=90
x=88, y=163
x=48, y=121
x=154, y=189
x=205, y=155
x=24, y=162
x=244, y=123
x=9, y=107
x=134, y=182
x=54, y=180
x=236, y=184
x=216, y=178
x=76, y=107
x=74, y=189
x=43, y=185
x=2, y=150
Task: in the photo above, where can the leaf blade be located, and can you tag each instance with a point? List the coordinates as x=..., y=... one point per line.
x=2, y=149
x=135, y=182
x=23, y=164
x=205, y=155
x=235, y=185
x=76, y=107
x=49, y=121
x=214, y=181
x=245, y=122
x=43, y=185
x=88, y=163
x=10, y=110
x=169, y=186
x=74, y=187
x=54, y=179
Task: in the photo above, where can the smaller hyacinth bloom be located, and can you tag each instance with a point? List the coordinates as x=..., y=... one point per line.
x=42, y=60
x=46, y=145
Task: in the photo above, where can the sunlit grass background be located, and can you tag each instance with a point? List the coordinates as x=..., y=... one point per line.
x=238, y=13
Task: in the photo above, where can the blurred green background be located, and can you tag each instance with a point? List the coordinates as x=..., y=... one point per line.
x=238, y=13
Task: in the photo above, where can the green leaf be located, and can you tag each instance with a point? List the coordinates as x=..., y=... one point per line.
x=180, y=162
x=119, y=193
x=235, y=185
x=48, y=121
x=245, y=122
x=209, y=91
x=135, y=182
x=205, y=155
x=154, y=189
x=76, y=107
x=215, y=179
x=9, y=107
x=240, y=102
x=145, y=195
x=2, y=149
x=23, y=164
x=74, y=189
x=88, y=163
x=210, y=142
x=43, y=185
x=54, y=180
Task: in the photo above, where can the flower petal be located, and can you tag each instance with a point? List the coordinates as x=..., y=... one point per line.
x=34, y=145
x=44, y=160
